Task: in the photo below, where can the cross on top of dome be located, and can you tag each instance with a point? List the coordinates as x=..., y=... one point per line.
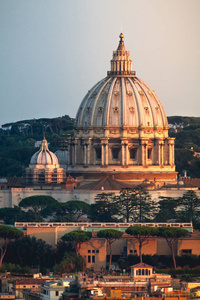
x=121, y=64
x=44, y=145
x=121, y=46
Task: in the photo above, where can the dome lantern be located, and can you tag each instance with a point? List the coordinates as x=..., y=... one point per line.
x=121, y=64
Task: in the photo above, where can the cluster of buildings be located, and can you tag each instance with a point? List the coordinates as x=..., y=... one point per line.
x=142, y=283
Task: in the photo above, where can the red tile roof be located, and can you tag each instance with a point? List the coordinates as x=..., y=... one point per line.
x=109, y=184
x=14, y=181
x=30, y=281
x=141, y=265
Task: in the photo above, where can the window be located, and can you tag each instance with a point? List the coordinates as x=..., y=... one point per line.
x=41, y=178
x=97, y=251
x=93, y=259
x=115, y=153
x=131, y=251
x=93, y=251
x=186, y=251
x=89, y=259
x=149, y=153
x=57, y=293
x=98, y=153
x=89, y=251
x=133, y=153
x=142, y=271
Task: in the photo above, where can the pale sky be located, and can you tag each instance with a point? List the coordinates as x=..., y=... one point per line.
x=53, y=51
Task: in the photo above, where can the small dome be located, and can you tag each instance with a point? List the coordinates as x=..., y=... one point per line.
x=62, y=156
x=44, y=156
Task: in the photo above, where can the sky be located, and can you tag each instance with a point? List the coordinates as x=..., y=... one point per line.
x=53, y=51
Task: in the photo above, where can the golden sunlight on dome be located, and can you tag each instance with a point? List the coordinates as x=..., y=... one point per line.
x=121, y=128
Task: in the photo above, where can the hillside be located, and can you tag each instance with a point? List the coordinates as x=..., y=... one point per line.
x=17, y=142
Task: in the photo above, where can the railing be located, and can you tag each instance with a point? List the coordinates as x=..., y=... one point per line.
x=188, y=226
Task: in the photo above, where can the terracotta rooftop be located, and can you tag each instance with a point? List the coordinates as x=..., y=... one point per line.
x=109, y=184
x=14, y=181
x=30, y=281
x=191, y=181
x=105, y=184
x=141, y=265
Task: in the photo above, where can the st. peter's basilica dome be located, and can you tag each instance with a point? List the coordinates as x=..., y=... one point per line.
x=121, y=128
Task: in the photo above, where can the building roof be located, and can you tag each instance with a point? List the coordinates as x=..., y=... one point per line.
x=191, y=181
x=30, y=281
x=109, y=184
x=105, y=184
x=12, y=181
x=142, y=265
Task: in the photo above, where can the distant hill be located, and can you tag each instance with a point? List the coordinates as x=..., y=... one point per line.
x=17, y=142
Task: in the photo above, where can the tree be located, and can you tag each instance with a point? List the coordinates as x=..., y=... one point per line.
x=189, y=206
x=166, y=209
x=10, y=215
x=7, y=233
x=37, y=203
x=69, y=211
x=127, y=202
x=172, y=234
x=145, y=206
x=76, y=209
x=104, y=209
x=111, y=235
x=136, y=204
x=142, y=234
x=29, y=251
x=77, y=237
x=70, y=263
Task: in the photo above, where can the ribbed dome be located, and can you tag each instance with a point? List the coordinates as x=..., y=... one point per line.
x=121, y=99
x=44, y=156
x=62, y=156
